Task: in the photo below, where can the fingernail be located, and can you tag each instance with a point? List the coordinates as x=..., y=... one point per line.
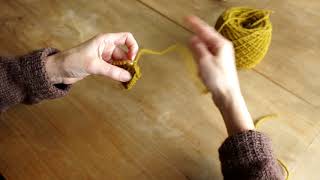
x=133, y=57
x=126, y=76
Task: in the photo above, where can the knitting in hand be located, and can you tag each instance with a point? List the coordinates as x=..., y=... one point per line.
x=93, y=57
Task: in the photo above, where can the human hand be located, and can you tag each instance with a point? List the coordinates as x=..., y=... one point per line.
x=215, y=57
x=93, y=57
x=217, y=69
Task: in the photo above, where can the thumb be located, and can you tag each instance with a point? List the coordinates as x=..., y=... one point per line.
x=114, y=72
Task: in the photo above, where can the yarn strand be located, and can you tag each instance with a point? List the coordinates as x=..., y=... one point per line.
x=136, y=74
x=257, y=123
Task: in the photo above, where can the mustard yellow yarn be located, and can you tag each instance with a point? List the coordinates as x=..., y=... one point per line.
x=257, y=123
x=134, y=69
x=250, y=32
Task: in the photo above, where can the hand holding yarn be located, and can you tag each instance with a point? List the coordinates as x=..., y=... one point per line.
x=93, y=57
x=215, y=57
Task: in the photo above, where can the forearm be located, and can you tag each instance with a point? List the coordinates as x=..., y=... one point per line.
x=24, y=79
x=245, y=154
x=234, y=112
x=60, y=67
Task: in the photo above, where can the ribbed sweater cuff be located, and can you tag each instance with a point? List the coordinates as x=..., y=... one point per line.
x=35, y=79
x=249, y=154
x=246, y=146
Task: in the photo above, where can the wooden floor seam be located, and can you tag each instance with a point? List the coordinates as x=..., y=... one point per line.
x=255, y=70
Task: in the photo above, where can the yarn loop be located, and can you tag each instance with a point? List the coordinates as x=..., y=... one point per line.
x=250, y=32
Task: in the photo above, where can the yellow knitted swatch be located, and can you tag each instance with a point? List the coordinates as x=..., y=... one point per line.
x=132, y=68
x=250, y=32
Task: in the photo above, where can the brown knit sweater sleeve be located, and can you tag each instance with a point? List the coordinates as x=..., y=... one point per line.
x=24, y=79
x=248, y=155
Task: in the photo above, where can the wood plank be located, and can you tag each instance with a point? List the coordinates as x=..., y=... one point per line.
x=309, y=169
x=292, y=61
x=162, y=129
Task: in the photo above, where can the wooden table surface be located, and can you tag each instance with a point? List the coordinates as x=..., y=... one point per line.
x=164, y=128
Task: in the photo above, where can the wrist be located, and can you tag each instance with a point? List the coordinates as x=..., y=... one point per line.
x=235, y=112
x=53, y=66
x=222, y=99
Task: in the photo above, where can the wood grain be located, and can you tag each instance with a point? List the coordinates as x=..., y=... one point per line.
x=292, y=61
x=164, y=128
x=309, y=168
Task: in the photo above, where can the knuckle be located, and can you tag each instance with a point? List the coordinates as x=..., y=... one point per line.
x=100, y=35
x=129, y=34
x=225, y=45
x=90, y=67
x=228, y=44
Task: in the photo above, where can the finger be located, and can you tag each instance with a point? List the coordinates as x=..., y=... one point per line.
x=107, y=51
x=193, y=43
x=114, y=72
x=205, y=32
x=199, y=49
x=127, y=39
x=119, y=54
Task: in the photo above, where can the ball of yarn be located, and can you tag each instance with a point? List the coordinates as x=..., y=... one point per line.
x=250, y=32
